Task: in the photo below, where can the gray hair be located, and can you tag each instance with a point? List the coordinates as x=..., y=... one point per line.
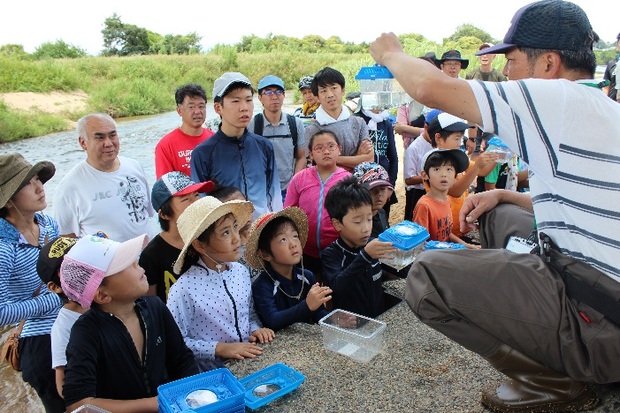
x=83, y=121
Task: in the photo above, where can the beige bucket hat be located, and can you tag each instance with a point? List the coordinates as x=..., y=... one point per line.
x=15, y=172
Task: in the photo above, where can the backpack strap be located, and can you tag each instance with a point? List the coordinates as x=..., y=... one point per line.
x=258, y=124
x=292, y=125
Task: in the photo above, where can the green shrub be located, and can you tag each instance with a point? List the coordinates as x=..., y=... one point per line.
x=16, y=125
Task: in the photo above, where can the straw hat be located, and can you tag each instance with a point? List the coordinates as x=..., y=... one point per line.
x=201, y=215
x=15, y=172
x=295, y=214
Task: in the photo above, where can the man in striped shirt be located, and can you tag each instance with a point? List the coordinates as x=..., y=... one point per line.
x=528, y=314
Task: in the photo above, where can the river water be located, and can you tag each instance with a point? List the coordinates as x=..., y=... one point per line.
x=138, y=137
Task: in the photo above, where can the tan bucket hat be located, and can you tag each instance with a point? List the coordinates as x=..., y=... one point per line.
x=295, y=214
x=201, y=215
x=15, y=172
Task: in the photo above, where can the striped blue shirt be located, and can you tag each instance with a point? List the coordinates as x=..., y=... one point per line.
x=19, y=279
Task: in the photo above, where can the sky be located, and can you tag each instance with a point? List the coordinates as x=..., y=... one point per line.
x=31, y=23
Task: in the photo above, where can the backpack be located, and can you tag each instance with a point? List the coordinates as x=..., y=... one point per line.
x=292, y=126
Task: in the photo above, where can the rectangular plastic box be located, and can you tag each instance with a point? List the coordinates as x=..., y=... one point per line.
x=281, y=378
x=379, y=89
x=352, y=335
x=408, y=237
x=172, y=397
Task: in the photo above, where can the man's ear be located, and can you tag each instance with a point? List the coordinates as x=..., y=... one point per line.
x=82, y=142
x=217, y=107
x=101, y=297
x=337, y=224
x=550, y=65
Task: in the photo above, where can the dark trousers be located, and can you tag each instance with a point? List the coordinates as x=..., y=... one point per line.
x=36, y=362
x=411, y=199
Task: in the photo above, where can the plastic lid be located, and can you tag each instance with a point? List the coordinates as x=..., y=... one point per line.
x=375, y=72
x=405, y=235
x=443, y=245
x=495, y=141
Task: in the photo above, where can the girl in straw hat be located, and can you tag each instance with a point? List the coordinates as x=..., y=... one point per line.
x=23, y=231
x=284, y=293
x=212, y=299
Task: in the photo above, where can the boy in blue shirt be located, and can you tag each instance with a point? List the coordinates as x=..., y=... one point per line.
x=351, y=265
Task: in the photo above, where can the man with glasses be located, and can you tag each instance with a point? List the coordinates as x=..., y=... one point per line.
x=174, y=151
x=286, y=132
x=451, y=63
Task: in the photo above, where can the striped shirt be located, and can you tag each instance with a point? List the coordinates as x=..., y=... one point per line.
x=19, y=279
x=569, y=135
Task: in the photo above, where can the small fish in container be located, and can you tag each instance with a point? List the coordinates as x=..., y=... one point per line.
x=379, y=90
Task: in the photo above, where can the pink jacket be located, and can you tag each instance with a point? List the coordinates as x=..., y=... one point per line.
x=307, y=192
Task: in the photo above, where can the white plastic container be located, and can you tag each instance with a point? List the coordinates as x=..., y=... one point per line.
x=352, y=335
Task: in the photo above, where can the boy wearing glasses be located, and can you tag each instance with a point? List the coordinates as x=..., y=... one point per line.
x=285, y=131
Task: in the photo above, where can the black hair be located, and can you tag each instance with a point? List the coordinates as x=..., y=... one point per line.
x=270, y=231
x=230, y=88
x=583, y=61
x=4, y=212
x=192, y=90
x=444, y=134
x=441, y=158
x=192, y=256
x=346, y=195
x=224, y=193
x=325, y=77
x=165, y=209
x=322, y=132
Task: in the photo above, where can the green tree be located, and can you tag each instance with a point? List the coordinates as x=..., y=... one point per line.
x=15, y=51
x=58, y=50
x=469, y=30
x=123, y=39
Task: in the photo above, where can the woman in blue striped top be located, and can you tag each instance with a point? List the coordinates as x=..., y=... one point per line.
x=23, y=230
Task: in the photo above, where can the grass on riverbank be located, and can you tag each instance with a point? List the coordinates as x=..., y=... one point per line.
x=145, y=85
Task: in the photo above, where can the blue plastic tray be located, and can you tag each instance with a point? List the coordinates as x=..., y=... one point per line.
x=443, y=245
x=230, y=393
x=405, y=235
x=287, y=378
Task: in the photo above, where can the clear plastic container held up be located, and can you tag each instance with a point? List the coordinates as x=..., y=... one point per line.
x=379, y=90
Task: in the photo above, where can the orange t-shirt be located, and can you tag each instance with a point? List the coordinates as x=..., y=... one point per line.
x=435, y=216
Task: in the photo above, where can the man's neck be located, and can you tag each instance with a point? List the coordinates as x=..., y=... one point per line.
x=191, y=131
x=105, y=167
x=232, y=131
x=334, y=113
x=486, y=68
x=273, y=117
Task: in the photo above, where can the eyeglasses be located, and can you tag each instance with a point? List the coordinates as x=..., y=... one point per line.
x=192, y=108
x=451, y=63
x=472, y=139
x=330, y=147
x=272, y=92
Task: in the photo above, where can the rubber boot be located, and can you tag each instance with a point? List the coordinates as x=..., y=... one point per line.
x=534, y=387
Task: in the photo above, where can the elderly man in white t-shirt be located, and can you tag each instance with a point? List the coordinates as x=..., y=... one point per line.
x=105, y=192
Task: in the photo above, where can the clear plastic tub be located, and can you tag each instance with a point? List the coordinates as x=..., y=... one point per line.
x=408, y=237
x=379, y=90
x=352, y=335
x=502, y=150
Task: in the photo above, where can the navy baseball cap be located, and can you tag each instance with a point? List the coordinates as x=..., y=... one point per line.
x=176, y=183
x=547, y=24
